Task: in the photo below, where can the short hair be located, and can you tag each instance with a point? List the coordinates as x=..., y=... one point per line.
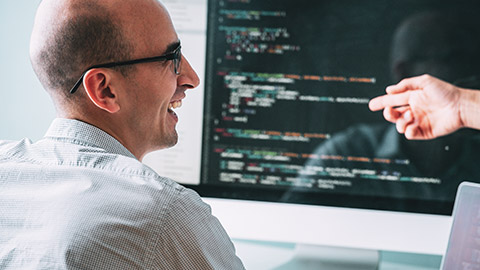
x=86, y=39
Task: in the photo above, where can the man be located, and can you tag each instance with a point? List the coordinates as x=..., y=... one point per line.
x=80, y=198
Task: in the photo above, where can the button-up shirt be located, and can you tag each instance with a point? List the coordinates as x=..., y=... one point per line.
x=78, y=199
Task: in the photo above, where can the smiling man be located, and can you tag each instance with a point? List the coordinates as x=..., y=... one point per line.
x=80, y=198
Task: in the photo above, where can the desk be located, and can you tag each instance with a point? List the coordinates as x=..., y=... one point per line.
x=258, y=255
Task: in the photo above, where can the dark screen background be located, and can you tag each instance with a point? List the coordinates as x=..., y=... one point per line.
x=287, y=87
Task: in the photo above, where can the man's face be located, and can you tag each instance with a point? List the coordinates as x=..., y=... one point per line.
x=153, y=89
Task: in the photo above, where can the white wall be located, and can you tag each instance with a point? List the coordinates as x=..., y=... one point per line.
x=25, y=108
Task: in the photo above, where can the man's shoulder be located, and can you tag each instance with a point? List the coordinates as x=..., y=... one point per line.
x=9, y=147
x=84, y=161
x=6, y=143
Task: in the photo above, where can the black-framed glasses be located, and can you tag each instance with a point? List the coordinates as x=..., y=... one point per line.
x=175, y=56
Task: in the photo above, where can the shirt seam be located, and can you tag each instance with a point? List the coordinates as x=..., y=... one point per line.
x=157, y=240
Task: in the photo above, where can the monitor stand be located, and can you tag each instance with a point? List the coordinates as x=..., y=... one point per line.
x=332, y=258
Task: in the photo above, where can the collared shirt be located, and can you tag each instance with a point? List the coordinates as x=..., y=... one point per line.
x=78, y=199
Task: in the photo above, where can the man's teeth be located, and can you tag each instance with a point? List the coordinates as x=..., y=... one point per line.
x=175, y=104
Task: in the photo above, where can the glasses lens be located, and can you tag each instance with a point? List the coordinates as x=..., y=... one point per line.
x=176, y=61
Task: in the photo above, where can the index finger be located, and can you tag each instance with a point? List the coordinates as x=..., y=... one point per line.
x=414, y=83
x=389, y=100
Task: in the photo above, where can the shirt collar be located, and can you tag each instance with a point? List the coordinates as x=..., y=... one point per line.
x=78, y=131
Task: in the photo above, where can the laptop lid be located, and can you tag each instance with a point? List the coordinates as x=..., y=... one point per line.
x=463, y=249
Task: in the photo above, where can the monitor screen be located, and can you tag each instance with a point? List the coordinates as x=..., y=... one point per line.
x=287, y=86
x=282, y=116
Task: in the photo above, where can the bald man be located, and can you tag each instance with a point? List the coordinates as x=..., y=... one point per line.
x=80, y=198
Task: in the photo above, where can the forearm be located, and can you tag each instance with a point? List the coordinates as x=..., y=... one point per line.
x=469, y=108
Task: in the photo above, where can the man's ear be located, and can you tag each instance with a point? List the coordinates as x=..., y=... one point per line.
x=98, y=85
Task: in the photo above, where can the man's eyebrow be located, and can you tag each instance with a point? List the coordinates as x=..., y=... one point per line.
x=172, y=46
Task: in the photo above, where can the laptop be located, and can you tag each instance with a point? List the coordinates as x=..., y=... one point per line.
x=463, y=249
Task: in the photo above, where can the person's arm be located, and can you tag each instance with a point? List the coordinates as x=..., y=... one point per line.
x=193, y=238
x=425, y=107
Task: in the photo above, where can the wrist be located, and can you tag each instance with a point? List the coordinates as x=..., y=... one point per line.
x=469, y=103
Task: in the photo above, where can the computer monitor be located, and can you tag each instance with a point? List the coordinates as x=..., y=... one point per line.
x=279, y=138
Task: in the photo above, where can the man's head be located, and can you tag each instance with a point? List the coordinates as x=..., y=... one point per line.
x=70, y=35
x=129, y=102
x=442, y=44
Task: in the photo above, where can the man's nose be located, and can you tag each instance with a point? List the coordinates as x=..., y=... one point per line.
x=188, y=77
